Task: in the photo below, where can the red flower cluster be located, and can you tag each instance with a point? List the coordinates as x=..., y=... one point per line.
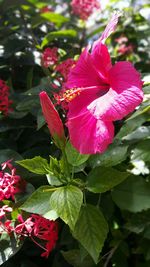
x=4, y=101
x=84, y=8
x=40, y=228
x=124, y=48
x=64, y=67
x=10, y=183
x=34, y=227
x=49, y=57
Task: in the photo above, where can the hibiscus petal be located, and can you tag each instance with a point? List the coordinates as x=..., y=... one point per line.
x=78, y=104
x=101, y=60
x=84, y=74
x=124, y=95
x=110, y=28
x=89, y=135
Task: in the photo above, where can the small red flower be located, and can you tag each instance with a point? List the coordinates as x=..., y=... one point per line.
x=5, y=103
x=49, y=57
x=5, y=224
x=39, y=229
x=65, y=67
x=4, y=209
x=25, y=227
x=10, y=183
x=45, y=230
x=46, y=9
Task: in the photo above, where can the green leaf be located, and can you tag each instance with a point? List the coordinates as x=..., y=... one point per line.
x=73, y=156
x=91, y=230
x=58, y=34
x=141, y=151
x=133, y=194
x=55, y=18
x=145, y=106
x=74, y=258
x=140, y=133
x=131, y=125
x=138, y=222
x=51, y=215
x=146, y=89
x=6, y=154
x=39, y=201
x=40, y=120
x=28, y=103
x=102, y=179
x=36, y=165
x=115, y=154
x=67, y=201
x=9, y=246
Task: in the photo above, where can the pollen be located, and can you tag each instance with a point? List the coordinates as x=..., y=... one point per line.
x=70, y=94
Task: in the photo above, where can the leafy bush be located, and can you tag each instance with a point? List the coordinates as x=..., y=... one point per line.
x=58, y=197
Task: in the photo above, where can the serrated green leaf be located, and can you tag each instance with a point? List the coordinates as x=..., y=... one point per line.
x=115, y=154
x=102, y=179
x=73, y=156
x=58, y=34
x=36, y=165
x=67, y=201
x=133, y=194
x=91, y=230
x=39, y=201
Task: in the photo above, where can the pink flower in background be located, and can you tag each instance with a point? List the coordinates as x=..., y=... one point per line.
x=122, y=39
x=49, y=57
x=5, y=103
x=65, y=67
x=10, y=183
x=84, y=8
x=103, y=93
x=124, y=48
x=46, y=9
x=52, y=117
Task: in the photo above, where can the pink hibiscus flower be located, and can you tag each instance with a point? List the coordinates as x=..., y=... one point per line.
x=107, y=93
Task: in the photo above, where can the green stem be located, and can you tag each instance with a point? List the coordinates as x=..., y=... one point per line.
x=67, y=169
x=99, y=200
x=84, y=198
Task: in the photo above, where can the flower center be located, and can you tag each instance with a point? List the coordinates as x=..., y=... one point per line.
x=70, y=94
